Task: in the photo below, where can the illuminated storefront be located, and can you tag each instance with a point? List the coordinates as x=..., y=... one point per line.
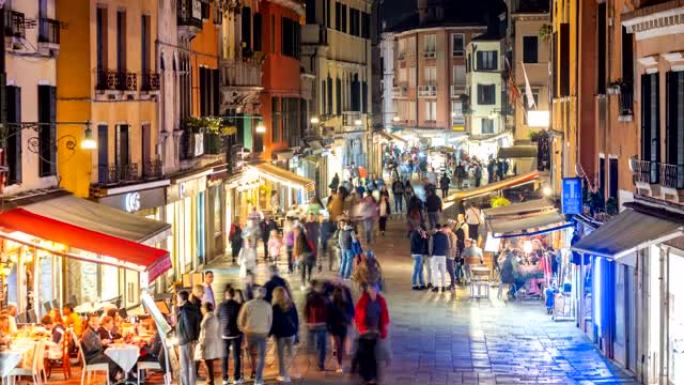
x=269, y=189
x=61, y=249
x=186, y=208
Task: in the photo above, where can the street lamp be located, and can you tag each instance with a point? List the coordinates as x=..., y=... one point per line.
x=315, y=120
x=396, y=119
x=261, y=128
x=88, y=143
x=358, y=122
x=547, y=191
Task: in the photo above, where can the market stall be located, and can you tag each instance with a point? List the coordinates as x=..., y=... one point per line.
x=530, y=242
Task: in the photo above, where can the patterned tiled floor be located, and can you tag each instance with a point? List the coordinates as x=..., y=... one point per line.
x=445, y=339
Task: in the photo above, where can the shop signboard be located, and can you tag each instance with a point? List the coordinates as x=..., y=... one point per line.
x=572, y=196
x=134, y=201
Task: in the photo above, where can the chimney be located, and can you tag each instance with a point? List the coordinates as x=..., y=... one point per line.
x=422, y=11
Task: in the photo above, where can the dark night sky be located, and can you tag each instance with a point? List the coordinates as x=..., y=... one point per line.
x=393, y=11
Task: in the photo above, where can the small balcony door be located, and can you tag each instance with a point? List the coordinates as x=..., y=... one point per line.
x=122, y=150
x=102, y=154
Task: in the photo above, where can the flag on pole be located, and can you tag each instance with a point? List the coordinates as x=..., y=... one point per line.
x=528, y=90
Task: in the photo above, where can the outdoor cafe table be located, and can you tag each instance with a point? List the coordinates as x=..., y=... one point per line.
x=124, y=355
x=18, y=354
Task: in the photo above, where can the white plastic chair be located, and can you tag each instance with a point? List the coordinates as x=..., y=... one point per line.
x=33, y=371
x=89, y=369
x=154, y=365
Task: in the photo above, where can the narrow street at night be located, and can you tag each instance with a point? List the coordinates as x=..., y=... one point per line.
x=450, y=339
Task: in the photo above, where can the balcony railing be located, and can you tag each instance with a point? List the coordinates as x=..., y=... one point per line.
x=150, y=82
x=626, y=99
x=457, y=90
x=15, y=24
x=400, y=90
x=351, y=118
x=152, y=169
x=646, y=172
x=117, y=174
x=239, y=73
x=190, y=13
x=128, y=81
x=107, y=81
x=427, y=90
x=672, y=175
x=315, y=34
x=48, y=31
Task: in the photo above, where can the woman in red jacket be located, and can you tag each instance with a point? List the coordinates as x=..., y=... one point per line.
x=372, y=322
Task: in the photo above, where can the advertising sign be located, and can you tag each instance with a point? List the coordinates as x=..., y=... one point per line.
x=572, y=196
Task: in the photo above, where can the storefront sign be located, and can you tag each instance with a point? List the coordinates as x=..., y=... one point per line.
x=186, y=188
x=572, y=196
x=136, y=200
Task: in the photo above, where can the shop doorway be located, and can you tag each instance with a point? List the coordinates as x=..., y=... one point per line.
x=624, y=345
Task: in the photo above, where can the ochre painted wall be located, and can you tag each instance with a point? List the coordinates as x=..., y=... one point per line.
x=205, y=53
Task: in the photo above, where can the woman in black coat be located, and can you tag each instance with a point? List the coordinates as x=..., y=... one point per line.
x=339, y=318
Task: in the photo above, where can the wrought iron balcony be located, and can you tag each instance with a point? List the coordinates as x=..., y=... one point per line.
x=15, y=24
x=107, y=81
x=672, y=176
x=128, y=81
x=118, y=174
x=427, y=90
x=150, y=82
x=645, y=171
x=241, y=73
x=152, y=169
x=48, y=31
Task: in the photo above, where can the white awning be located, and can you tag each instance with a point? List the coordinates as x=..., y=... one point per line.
x=628, y=232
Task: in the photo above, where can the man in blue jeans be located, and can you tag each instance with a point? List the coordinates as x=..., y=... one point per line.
x=346, y=239
x=419, y=249
x=316, y=315
x=255, y=320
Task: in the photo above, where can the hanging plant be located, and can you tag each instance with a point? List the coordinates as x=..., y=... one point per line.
x=545, y=32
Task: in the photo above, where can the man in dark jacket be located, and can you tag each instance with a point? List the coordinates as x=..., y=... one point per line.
x=460, y=174
x=491, y=170
x=398, y=192
x=187, y=332
x=433, y=205
x=440, y=251
x=275, y=281
x=419, y=250
x=444, y=183
x=93, y=348
x=228, y=312
x=266, y=226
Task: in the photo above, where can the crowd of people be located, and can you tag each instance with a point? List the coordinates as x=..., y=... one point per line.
x=251, y=315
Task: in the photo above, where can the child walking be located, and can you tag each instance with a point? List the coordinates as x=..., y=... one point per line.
x=274, y=246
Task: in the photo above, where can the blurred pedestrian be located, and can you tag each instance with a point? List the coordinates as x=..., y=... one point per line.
x=398, y=192
x=433, y=205
x=284, y=330
x=419, y=251
x=187, y=331
x=444, y=183
x=372, y=323
x=439, y=251
x=289, y=241
x=473, y=217
x=274, y=246
x=316, y=314
x=304, y=253
x=209, y=346
x=384, y=213
x=255, y=320
x=235, y=238
x=230, y=335
x=346, y=239
x=339, y=320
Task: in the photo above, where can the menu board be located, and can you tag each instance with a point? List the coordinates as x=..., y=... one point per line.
x=151, y=307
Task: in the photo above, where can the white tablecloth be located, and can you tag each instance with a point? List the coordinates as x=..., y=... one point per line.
x=9, y=360
x=124, y=355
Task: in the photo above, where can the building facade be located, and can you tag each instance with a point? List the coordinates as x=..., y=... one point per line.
x=336, y=50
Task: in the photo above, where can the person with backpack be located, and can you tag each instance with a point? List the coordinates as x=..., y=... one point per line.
x=346, y=239
x=398, y=192
x=316, y=315
x=305, y=253
x=284, y=330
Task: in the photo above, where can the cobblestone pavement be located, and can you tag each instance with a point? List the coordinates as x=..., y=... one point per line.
x=445, y=339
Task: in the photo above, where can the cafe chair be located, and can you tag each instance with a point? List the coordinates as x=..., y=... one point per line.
x=89, y=369
x=34, y=370
x=60, y=360
x=155, y=365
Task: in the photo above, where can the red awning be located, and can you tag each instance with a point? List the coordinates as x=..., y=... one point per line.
x=145, y=258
